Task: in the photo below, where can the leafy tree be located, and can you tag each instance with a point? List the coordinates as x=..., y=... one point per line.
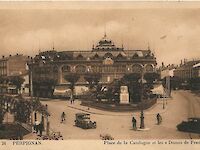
x=134, y=86
x=22, y=110
x=2, y=113
x=151, y=76
x=17, y=81
x=93, y=79
x=72, y=78
x=132, y=77
x=4, y=80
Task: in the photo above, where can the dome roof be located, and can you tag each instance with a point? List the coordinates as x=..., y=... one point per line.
x=106, y=44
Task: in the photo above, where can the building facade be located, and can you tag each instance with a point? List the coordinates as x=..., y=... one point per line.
x=110, y=61
x=10, y=66
x=186, y=71
x=196, y=70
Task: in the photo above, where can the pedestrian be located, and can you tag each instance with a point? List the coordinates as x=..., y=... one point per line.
x=159, y=118
x=37, y=126
x=134, y=122
x=71, y=98
x=40, y=128
x=63, y=117
x=71, y=101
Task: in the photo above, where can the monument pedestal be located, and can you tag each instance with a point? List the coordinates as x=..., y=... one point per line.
x=124, y=98
x=124, y=95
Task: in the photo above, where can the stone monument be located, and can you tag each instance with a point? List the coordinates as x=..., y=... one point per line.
x=124, y=95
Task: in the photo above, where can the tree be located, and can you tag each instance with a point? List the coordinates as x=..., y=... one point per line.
x=4, y=80
x=132, y=81
x=151, y=76
x=132, y=77
x=17, y=81
x=93, y=79
x=2, y=113
x=72, y=78
x=22, y=110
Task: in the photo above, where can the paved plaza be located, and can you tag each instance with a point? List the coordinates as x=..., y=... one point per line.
x=182, y=105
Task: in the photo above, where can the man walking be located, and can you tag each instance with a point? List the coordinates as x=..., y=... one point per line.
x=134, y=121
x=159, y=119
x=63, y=117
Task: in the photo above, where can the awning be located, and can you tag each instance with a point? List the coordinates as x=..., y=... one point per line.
x=12, y=87
x=61, y=90
x=197, y=65
x=158, y=89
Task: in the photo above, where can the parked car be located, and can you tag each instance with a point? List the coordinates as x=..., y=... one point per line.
x=83, y=121
x=106, y=137
x=192, y=125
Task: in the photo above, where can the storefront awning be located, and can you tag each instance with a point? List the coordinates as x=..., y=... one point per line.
x=60, y=90
x=197, y=65
x=12, y=87
x=158, y=89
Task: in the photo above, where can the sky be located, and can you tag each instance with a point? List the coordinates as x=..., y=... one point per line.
x=171, y=31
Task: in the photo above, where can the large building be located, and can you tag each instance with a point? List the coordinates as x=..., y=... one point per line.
x=15, y=65
x=110, y=61
x=187, y=70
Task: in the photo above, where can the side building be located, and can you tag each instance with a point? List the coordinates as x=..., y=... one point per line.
x=112, y=62
x=11, y=66
x=188, y=73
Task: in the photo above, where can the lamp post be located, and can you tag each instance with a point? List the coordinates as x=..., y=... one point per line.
x=163, y=103
x=142, y=81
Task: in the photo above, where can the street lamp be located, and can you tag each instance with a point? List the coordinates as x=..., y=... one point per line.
x=142, y=81
x=163, y=103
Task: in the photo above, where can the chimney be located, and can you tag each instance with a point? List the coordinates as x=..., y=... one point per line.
x=163, y=65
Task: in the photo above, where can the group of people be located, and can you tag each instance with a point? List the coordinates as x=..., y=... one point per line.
x=51, y=137
x=38, y=127
x=158, y=118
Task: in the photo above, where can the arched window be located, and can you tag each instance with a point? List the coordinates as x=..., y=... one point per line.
x=108, y=55
x=137, y=68
x=80, y=69
x=97, y=69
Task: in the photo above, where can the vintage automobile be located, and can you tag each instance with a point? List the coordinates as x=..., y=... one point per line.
x=83, y=121
x=192, y=125
x=106, y=137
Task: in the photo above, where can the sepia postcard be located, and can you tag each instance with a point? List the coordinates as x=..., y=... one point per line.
x=99, y=75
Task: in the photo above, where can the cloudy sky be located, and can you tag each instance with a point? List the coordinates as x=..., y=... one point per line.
x=173, y=32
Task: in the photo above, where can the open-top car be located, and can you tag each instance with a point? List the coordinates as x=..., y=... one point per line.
x=192, y=125
x=83, y=121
